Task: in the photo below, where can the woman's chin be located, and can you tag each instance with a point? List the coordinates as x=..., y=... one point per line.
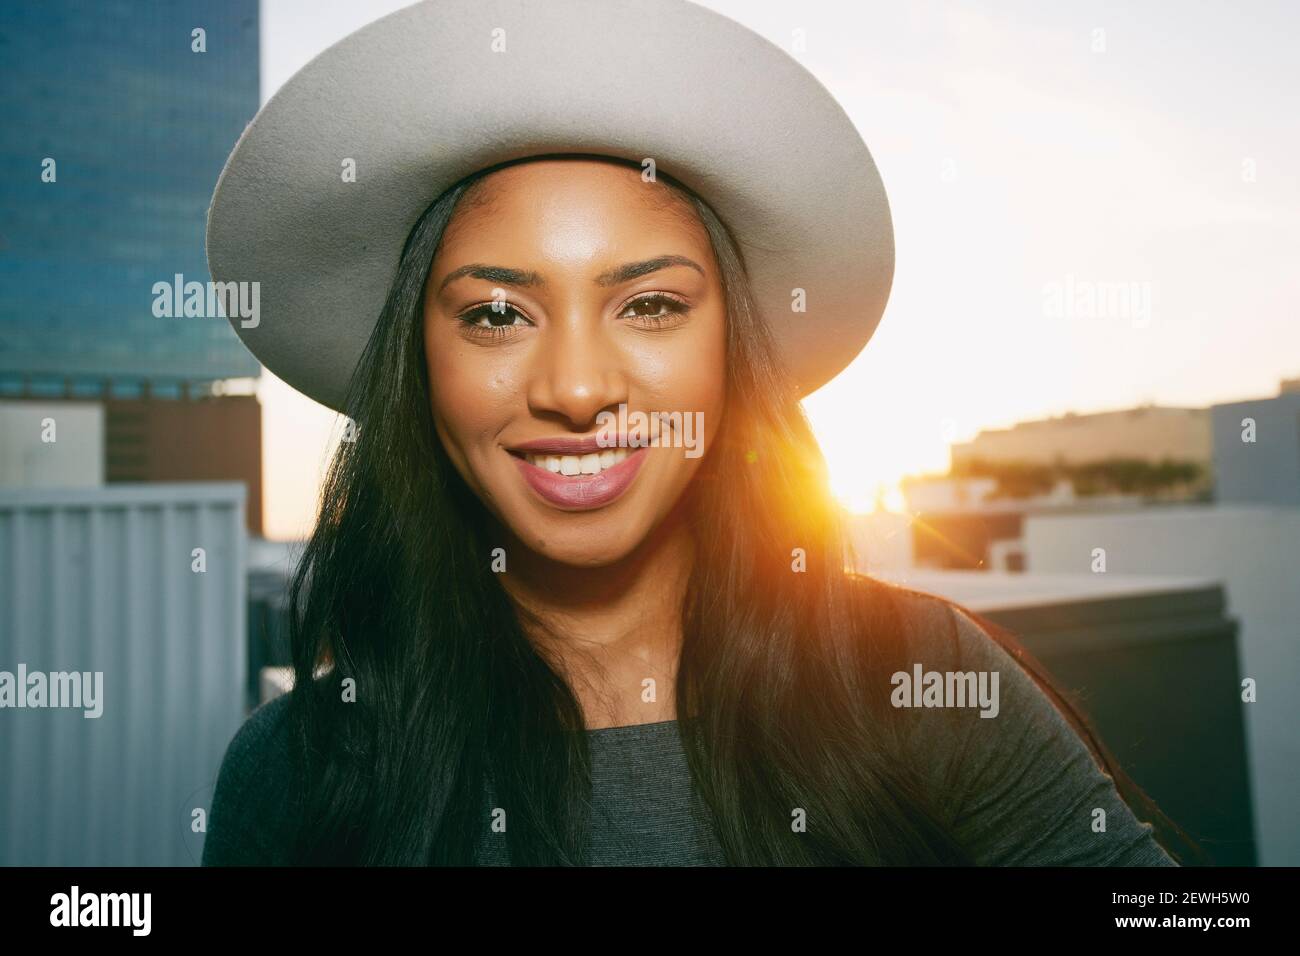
x=587, y=547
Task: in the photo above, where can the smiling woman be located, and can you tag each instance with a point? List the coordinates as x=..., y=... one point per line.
x=564, y=653
x=655, y=599
x=612, y=299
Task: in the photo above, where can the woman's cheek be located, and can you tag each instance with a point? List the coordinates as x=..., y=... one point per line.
x=469, y=398
x=474, y=389
x=689, y=376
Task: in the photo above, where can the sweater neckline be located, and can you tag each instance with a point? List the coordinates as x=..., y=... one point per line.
x=657, y=726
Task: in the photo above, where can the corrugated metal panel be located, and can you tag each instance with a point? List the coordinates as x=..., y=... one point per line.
x=101, y=580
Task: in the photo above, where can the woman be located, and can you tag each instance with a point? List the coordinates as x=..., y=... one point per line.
x=522, y=637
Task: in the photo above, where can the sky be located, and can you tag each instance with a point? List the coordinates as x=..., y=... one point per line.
x=1033, y=155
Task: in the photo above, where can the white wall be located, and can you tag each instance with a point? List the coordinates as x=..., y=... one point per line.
x=104, y=580
x=1255, y=551
x=74, y=459
x=947, y=494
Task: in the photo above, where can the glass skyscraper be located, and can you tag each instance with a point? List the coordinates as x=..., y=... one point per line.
x=114, y=130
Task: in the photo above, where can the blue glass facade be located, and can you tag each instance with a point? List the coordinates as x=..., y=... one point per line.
x=139, y=126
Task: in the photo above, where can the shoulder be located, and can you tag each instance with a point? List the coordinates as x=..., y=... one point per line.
x=262, y=738
x=944, y=635
x=1016, y=780
x=930, y=626
x=245, y=821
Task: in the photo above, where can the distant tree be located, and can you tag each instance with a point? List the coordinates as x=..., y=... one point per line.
x=1018, y=479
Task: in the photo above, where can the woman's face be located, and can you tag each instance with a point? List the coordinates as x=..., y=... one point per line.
x=569, y=303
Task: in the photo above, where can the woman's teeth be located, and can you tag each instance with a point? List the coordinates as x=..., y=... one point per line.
x=592, y=464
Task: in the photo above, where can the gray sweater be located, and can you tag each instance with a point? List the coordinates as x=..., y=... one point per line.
x=1018, y=789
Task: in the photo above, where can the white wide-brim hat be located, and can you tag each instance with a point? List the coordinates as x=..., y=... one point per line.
x=434, y=92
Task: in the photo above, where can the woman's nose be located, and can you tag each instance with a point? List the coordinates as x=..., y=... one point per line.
x=577, y=373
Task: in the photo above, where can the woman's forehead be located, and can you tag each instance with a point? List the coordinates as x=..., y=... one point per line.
x=554, y=206
x=523, y=187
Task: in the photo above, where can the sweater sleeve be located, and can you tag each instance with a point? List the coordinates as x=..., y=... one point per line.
x=1019, y=786
x=246, y=821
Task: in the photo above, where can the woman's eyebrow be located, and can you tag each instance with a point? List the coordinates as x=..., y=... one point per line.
x=498, y=274
x=634, y=270
x=624, y=273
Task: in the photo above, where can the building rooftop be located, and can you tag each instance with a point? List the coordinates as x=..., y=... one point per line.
x=997, y=590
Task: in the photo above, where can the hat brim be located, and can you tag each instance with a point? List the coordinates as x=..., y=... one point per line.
x=419, y=100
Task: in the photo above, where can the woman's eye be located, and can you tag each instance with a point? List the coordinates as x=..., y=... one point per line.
x=657, y=309
x=499, y=319
x=493, y=319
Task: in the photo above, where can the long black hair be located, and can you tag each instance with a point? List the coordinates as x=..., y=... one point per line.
x=418, y=692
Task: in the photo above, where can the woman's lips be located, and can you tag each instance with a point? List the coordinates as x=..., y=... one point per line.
x=581, y=492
